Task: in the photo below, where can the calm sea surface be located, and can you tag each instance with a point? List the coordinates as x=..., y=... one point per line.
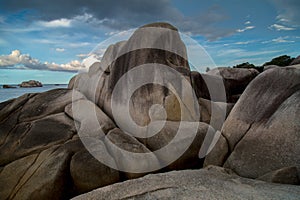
x=6, y=94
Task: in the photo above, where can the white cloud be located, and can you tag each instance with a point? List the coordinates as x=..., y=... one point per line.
x=41, y=25
x=63, y=42
x=2, y=19
x=247, y=22
x=279, y=40
x=82, y=55
x=2, y=42
x=44, y=41
x=245, y=29
x=243, y=43
x=288, y=11
x=279, y=27
x=60, y=49
x=112, y=33
x=63, y=22
x=16, y=60
x=79, y=44
x=281, y=18
x=242, y=53
x=228, y=52
x=74, y=65
x=282, y=40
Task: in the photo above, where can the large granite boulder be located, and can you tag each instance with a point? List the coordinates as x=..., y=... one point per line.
x=41, y=155
x=35, y=136
x=235, y=80
x=286, y=175
x=177, y=144
x=154, y=59
x=37, y=176
x=214, y=113
x=267, y=67
x=209, y=87
x=218, y=90
x=27, y=138
x=262, y=131
x=132, y=157
x=88, y=173
x=68, y=131
x=213, y=98
x=296, y=61
x=209, y=183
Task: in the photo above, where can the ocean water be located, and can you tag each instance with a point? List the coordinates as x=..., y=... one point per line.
x=10, y=93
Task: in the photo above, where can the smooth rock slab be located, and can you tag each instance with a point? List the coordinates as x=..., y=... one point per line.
x=129, y=154
x=286, y=175
x=93, y=121
x=214, y=113
x=209, y=183
x=47, y=103
x=180, y=146
x=88, y=173
x=46, y=177
x=12, y=173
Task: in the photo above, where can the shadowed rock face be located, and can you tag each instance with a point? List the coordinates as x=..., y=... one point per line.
x=262, y=130
x=235, y=80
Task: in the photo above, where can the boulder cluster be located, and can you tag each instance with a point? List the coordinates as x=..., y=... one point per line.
x=243, y=122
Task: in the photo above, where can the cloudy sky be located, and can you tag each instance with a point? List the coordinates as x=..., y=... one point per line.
x=38, y=38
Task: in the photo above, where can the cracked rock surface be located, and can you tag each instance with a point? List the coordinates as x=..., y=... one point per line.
x=262, y=131
x=43, y=137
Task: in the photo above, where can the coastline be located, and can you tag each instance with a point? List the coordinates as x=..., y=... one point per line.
x=11, y=93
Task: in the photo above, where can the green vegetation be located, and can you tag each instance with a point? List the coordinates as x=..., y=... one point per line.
x=248, y=65
x=244, y=65
x=280, y=61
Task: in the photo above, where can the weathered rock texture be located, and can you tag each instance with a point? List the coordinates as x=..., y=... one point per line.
x=209, y=183
x=296, y=61
x=44, y=137
x=152, y=45
x=262, y=131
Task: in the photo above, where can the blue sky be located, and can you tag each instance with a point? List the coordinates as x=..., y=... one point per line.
x=38, y=38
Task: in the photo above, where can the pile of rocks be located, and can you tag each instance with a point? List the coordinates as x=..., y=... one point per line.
x=43, y=137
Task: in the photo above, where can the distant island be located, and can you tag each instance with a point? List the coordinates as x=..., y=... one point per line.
x=25, y=84
x=31, y=83
x=8, y=86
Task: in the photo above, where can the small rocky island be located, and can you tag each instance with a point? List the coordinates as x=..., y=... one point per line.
x=49, y=141
x=8, y=86
x=31, y=83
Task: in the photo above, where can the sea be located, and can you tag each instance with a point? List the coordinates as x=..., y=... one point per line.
x=10, y=93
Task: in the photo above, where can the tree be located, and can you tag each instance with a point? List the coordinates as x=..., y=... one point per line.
x=280, y=61
x=244, y=65
x=248, y=65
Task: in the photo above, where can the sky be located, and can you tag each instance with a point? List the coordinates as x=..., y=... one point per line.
x=47, y=40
